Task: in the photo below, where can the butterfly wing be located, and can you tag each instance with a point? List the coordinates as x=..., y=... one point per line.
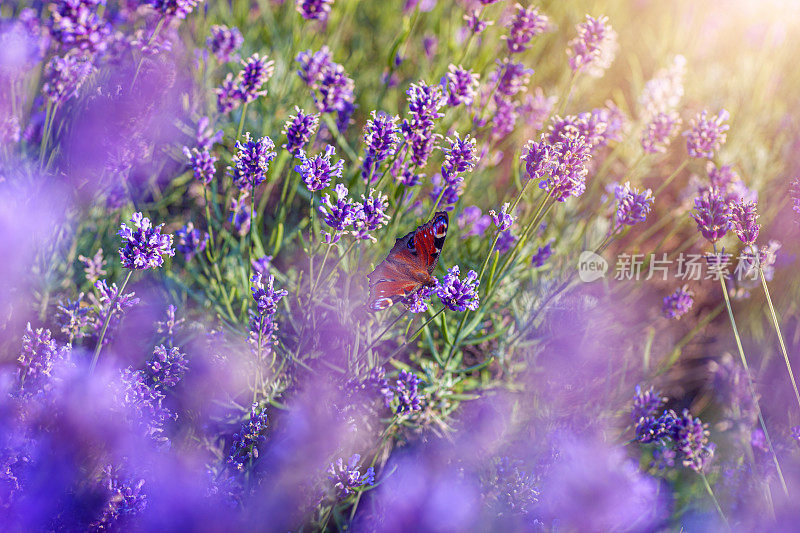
x=409, y=265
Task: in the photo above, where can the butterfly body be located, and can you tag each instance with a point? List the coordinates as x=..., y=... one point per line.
x=409, y=265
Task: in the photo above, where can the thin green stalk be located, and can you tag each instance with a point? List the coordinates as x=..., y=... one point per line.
x=50, y=112
x=152, y=38
x=338, y=261
x=241, y=121
x=381, y=334
x=562, y=107
x=671, y=177
x=776, y=323
x=417, y=332
x=714, y=499
x=750, y=384
x=106, y=321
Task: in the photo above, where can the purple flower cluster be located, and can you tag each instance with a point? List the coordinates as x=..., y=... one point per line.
x=510, y=78
x=678, y=303
x=459, y=294
x=706, y=134
x=299, y=129
x=76, y=24
x=381, y=136
x=265, y=295
x=542, y=255
x=459, y=157
x=712, y=214
x=314, y=9
x=174, y=8
x=424, y=103
x=39, y=354
x=561, y=168
x=370, y=214
x=333, y=88
x=190, y=241
x=202, y=163
x=143, y=403
x=659, y=131
x=646, y=403
x=64, y=77
x=587, y=47
x=503, y=220
x=166, y=367
x=346, y=478
x=472, y=221
x=406, y=391
x=633, y=205
x=224, y=42
x=251, y=162
x=461, y=85
x=337, y=213
x=743, y=221
x=317, y=171
x=474, y=22
x=245, y=443
x=144, y=245
x=240, y=213
x=123, y=498
x=247, y=86
x=75, y=317
x=524, y=26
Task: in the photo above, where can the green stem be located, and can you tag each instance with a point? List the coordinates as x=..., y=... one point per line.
x=671, y=177
x=106, y=321
x=152, y=38
x=750, y=383
x=417, y=332
x=241, y=121
x=776, y=323
x=714, y=499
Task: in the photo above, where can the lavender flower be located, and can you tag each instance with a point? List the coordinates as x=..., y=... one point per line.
x=338, y=213
x=424, y=102
x=646, y=403
x=174, y=8
x=461, y=85
x=335, y=89
x=75, y=318
x=524, y=26
x=299, y=129
x=261, y=264
x=538, y=159
x=265, y=295
x=317, y=171
x=240, y=213
x=314, y=9
x=505, y=240
x=678, y=303
x=227, y=95
x=76, y=24
x=542, y=255
x=144, y=245
x=93, y=266
x=473, y=221
x=206, y=137
x=124, y=498
x=633, y=206
x=504, y=219
x=312, y=65
x=587, y=48
x=459, y=157
x=743, y=221
x=64, y=77
x=224, y=42
x=251, y=162
x=256, y=72
x=712, y=214
x=202, y=163
x=474, y=22
x=370, y=214
x=144, y=403
x=37, y=358
x=418, y=301
x=706, y=134
x=691, y=440
x=457, y=294
x=510, y=78
x=106, y=296
x=190, y=241
x=512, y=490
x=170, y=324
x=662, y=94
x=347, y=478
x=536, y=108
x=167, y=366
x=381, y=136
x=246, y=442
x=659, y=131
x=407, y=392
x=568, y=168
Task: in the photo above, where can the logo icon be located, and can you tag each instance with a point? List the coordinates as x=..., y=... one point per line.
x=591, y=266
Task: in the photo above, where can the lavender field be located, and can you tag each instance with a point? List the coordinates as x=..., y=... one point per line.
x=399, y=265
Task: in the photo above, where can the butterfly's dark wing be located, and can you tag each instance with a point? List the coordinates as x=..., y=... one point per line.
x=409, y=264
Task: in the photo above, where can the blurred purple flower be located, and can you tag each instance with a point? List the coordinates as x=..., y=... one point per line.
x=174, y=8
x=706, y=134
x=64, y=76
x=202, y=162
x=460, y=156
x=536, y=108
x=262, y=264
x=743, y=221
x=227, y=95
x=166, y=367
x=256, y=72
x=39, y=354
x=206, y=137
x=503, y=220
x=457, y=294
x=335, y=89
x=93, y=266
x=240, y=213
x=75, y=318
x=646, y=403
x=510, y=78
x=586, y=49
x=473, y=221
x=312, y=64
x=794, y=192
x=124, y=498
x=190, y=241
x=525, y=25
x=712, y=214
x=143, y=245
x=461, y=85
x=317, y=171
x=250, y=437
x=678, y=303
x=314, y=9
x=474, y=22
x=542, y=255
x=76, y=24
x=347, y=478
x=505, y=241
x=251, y=162
x=381, y=136
x=224, y=42
x=143, y=403
x=299, y=129
x=659, y=131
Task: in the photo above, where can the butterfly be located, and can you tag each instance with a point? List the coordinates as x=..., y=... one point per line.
x=409, y=265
